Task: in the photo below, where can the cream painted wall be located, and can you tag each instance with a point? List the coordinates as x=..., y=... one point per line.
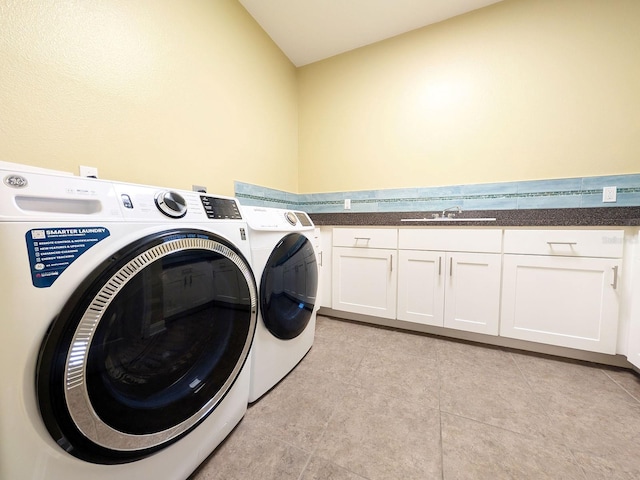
x=162, y=92
x=521, y=90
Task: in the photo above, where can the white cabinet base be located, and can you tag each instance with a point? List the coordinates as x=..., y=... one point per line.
x=542, y=348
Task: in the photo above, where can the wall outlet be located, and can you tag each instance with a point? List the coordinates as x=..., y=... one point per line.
x=347, y=204
x=199, y=188
x=90, y=172
x=609, y=194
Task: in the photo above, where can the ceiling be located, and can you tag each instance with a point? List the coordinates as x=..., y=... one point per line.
x=311, y=30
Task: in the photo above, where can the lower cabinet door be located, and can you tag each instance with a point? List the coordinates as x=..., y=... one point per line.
x=472, y=292
x=564, y=301
x=452, y=289
x=324, y=264
x=421, y=287
x=364, y=281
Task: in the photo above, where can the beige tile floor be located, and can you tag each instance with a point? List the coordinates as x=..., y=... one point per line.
x=368, y=403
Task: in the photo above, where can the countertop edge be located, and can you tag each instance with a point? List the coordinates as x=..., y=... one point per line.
x=558, y=217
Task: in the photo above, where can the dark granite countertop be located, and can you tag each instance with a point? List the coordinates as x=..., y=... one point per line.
x=557, y=217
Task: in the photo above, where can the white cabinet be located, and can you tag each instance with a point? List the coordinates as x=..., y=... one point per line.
x=364, y=271
x=633, y=292
x=454, y=289
x=421, y=287
x=472, y=296
x=324, y=266
x=560, y=287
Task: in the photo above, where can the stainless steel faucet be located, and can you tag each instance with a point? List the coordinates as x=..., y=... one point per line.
x=450, y=209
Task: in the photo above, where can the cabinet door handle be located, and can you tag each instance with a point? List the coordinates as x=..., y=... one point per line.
x=451, y=267
x=562, y=243
x=321, y=257
x=615, y=277
x=439, y=266
x=391, y=264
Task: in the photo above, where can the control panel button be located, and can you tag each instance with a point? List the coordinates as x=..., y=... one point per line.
x=291, y=218
x=126, y=201
x=172, y=204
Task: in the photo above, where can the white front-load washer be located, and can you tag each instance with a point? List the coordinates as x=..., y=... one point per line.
x=284, y=261
x=128, y=314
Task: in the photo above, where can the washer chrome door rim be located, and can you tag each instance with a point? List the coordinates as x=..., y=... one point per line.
x=76, y=391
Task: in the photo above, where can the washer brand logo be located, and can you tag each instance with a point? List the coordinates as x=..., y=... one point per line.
x=15, y=181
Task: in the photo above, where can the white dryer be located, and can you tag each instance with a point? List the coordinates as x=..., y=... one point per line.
x=284, y=260
x=128, y=314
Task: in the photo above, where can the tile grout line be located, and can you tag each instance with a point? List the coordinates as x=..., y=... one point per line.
x=619, y=385
x=569, y=449
x=524, y=435
x=326, y=425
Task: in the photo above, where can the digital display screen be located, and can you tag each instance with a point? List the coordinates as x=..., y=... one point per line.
x=304, y=219
x=220, y=208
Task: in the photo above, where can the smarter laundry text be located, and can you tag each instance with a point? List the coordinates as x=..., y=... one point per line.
x=52, y=250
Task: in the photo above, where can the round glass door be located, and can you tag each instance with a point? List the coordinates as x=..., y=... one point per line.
x=289, y=287
x=147, y=347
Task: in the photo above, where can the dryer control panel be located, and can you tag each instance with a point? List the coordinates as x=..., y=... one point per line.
x=276, y=219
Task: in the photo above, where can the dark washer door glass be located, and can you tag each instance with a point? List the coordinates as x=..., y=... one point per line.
x=147, y=347
x=289, y=286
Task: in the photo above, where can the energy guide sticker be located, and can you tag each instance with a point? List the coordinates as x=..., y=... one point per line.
x=52, y=250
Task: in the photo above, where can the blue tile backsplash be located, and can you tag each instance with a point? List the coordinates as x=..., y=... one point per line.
x=554, y=193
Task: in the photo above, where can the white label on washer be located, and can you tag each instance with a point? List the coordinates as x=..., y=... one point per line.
x=52, y=250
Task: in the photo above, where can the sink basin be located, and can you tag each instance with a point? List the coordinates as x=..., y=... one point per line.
x=447, y=219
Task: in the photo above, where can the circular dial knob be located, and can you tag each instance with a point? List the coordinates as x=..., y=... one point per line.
x=291, y=218
x=172, y=204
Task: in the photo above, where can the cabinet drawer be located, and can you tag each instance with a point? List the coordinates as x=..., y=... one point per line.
x=451, y=239
x=568, y=243
x=365, y=237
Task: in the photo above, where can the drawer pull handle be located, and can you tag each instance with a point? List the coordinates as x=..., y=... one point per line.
x=615, y=277
x=562, y=243
x=362, y=238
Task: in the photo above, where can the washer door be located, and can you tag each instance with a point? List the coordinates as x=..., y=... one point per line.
x=289, y=287
x=147, y=346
